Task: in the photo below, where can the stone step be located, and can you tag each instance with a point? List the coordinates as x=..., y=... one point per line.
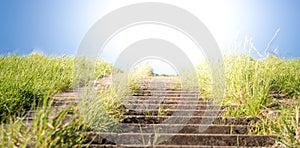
x=185, y=98
x=149, y=103
x=156, y=101
x=170, y=112
x=147, y=91
x=152, y=146
x=29, y=119
x=174, y=106
x=167, y=95
x=185, y=139
x=145, y=111
x=67, y=94
x=189, y=120
x=186, y=128
x=65, y=103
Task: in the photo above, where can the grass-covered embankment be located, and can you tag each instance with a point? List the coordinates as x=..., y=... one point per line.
x=25, y=80
x=268, y=88
x=30, y=81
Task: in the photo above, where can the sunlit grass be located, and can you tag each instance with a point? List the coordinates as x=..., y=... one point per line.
x=44, y=131
x=103, y=110
x=27, y=79
x=28, y=83
x=253, y=85
x=136, y=75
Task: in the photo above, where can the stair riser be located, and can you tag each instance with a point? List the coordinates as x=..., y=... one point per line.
x=188, y=120
x=167, y=102
x=172, y=106
x=155, y=112
x=190, y=139
x=167, y=98
x=189, y=129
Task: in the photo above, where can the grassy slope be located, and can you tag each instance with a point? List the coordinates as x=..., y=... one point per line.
x=28, y=79
x=35, y=78
x=254, y=84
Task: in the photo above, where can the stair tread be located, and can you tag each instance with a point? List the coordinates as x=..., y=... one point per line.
x=192, y=139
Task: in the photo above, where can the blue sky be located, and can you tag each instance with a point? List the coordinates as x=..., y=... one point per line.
x=56, y=27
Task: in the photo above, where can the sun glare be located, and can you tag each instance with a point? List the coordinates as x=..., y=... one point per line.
x=216, y=15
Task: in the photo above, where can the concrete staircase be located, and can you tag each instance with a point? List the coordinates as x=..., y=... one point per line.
x=168, y=117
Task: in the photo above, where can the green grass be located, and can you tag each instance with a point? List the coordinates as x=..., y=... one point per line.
x=253, y=85
x=25, y=80
x=29, y=83
x=104, y=110
x=136, y=75
x=44, y=131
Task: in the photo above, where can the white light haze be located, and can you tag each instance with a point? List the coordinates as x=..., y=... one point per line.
x=215, y=14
